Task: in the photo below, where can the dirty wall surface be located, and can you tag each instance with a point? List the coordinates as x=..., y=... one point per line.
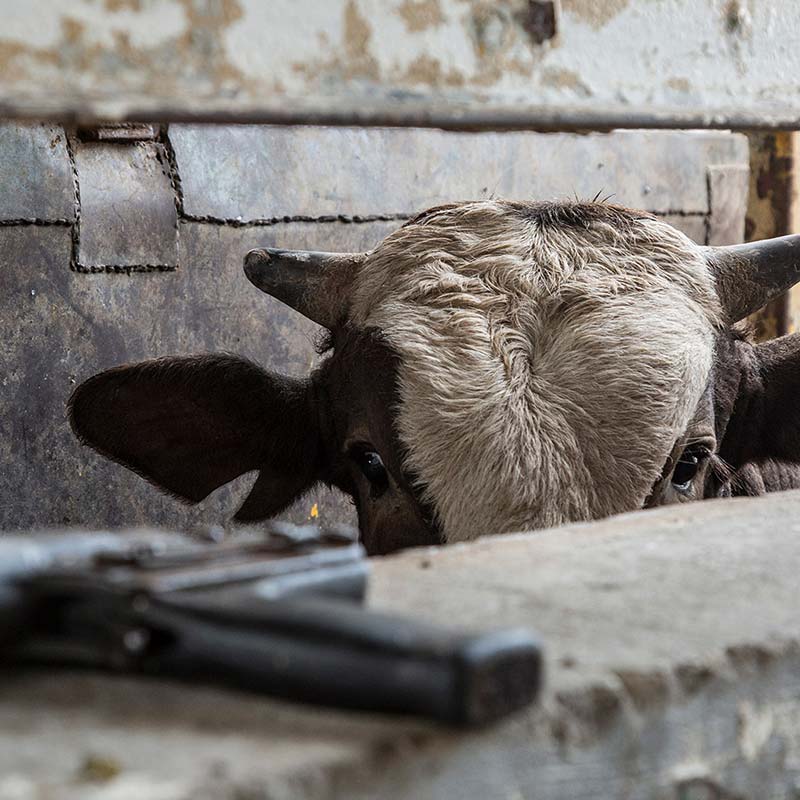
x=120, y=245
x=546, y=63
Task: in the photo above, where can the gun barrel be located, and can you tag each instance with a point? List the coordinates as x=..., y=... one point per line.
x=322, y=650
x=283, y=620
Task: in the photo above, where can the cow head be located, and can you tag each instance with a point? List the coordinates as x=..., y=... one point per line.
x=492, y=366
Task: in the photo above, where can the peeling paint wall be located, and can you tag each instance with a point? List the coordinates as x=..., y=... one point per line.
x=541, y=63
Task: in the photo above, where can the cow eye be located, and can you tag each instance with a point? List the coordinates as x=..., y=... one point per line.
x=371, y=465
x=688, y=464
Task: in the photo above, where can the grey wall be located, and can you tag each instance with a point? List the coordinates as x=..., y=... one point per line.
x=130, y=247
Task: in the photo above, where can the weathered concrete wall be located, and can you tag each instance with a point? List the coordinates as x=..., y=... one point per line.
x=545, y=63
x=115, y=251
x=672, y=646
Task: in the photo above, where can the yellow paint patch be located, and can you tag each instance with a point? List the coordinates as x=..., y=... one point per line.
x=98, y=769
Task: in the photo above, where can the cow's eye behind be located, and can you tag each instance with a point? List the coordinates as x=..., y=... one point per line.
x=371, y=466
x=687, y=467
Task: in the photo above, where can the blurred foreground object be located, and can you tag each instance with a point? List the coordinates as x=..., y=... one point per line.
x=278, y=616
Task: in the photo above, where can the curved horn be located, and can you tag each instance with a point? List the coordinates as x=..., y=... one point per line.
x=750, y=275
x=315, y=284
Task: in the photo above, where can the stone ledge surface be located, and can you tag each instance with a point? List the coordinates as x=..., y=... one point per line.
x=673, y=671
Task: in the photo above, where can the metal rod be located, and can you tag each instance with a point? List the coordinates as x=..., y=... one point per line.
x=422, y=113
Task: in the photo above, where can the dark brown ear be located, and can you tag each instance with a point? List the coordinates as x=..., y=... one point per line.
x=778, y=405
x=190, y=425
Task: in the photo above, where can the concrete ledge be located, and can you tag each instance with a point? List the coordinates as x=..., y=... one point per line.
x=673, y=671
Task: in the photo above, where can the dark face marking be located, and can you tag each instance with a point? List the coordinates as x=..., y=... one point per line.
x=190, y=425
x=689, y=465
x=357, y=394
x=745, y=433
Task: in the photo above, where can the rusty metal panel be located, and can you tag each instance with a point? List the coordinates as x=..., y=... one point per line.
x=771, y=211
x=260, y=172
x=35, y=174
x=128, y=217
x=563, y=64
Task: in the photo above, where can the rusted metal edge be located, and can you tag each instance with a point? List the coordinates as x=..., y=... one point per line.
x=431, y=112
x=770, y=212
x=36, y=221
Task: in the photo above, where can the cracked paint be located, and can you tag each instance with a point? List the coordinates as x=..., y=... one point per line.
x=113, y=58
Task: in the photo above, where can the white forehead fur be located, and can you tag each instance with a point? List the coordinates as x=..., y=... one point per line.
x=550, y=355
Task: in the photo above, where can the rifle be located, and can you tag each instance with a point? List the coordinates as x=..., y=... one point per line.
x=279, y=615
